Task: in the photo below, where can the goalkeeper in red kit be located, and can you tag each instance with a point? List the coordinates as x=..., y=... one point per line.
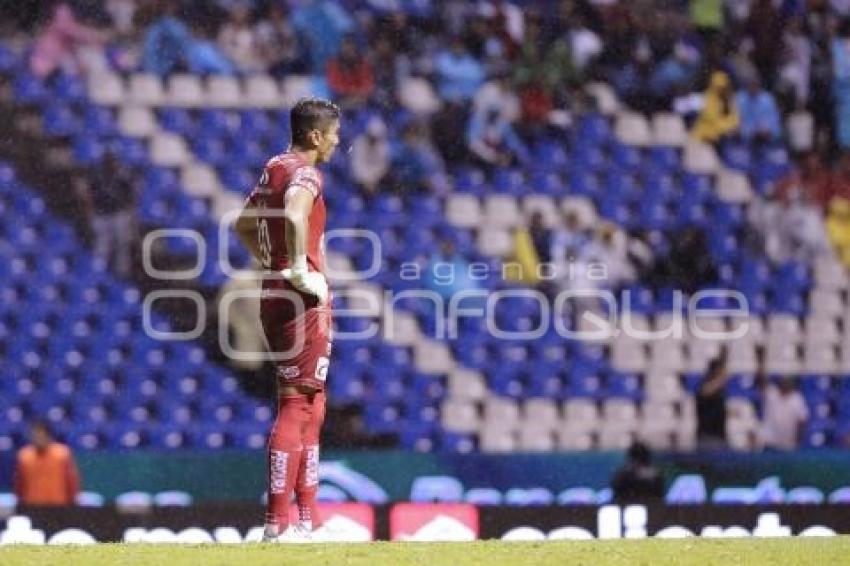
x=283, y=225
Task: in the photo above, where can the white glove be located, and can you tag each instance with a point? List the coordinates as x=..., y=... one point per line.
x=310, y=282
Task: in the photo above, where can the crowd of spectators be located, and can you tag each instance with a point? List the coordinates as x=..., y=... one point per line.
x=482, y=80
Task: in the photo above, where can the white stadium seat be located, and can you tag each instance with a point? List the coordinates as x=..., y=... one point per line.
x=577, y=439
x=501, y=211
x=700, y=157
x=497, y=440
x=532, y=439
x=663, y=386
x=403, y=329
x=826, y=301
x=262, y=91
x=137, y=121
x=186, y=91
x=106, y=89
x=615, y=438
x=146, y=90
x=541, y=413
x=829, y=273
x=495, y=242
x=463, y=211
x=733, y=186
x=296, y=87
x=501, y=411
x=619, y=412
x=223, y=92
x=431, y=356
x=199, y=180
x=459, y=416
x=466, y=384
x=168, y=150
x=632, y=128
x=606, y=99
x=581, y=414
x=668, y=129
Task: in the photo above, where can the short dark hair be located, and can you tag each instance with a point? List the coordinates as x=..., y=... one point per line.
x=40, y=424
x=309, y=114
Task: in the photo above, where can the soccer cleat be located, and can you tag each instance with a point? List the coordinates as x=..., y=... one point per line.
x=270, y=533
x=294, y=534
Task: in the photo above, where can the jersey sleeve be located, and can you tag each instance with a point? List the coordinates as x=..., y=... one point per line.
x=307, y=177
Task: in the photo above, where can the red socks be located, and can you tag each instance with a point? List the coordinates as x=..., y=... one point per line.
x=293, y=459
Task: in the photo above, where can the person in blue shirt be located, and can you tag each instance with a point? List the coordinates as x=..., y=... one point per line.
x=760, y=120
x=492, y=140
x=458, y=73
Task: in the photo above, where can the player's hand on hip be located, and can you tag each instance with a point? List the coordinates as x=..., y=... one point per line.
x=310, y=282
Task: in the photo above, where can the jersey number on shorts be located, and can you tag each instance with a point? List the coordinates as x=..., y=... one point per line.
x=322, y=368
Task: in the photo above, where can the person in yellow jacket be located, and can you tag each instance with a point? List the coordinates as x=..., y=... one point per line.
x=838, y=227
x=525, y=257
x=719, y=116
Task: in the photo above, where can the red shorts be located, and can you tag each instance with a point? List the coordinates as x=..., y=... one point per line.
x=299, y=340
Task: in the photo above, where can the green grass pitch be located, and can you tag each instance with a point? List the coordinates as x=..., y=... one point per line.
x=833, y=551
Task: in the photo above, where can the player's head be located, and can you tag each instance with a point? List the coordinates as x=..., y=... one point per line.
x=315, y=126
x=40, y=434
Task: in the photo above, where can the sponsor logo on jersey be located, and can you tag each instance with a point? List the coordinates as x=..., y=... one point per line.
x=288, y=372
x=322, y=368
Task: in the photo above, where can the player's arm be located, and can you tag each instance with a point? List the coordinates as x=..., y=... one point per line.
x=246, y=228
x=296, y=214
x=298, y=204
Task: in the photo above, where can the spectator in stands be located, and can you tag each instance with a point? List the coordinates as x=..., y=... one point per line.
x=760, y=121
x=370, y=156
x=497, y=93
x=638, y=480
x=609, y=248
x=109, y=200
x=416, y=163
x=838, y=228
x=795, y=72
x=840, y=51
x=458, y=74
x=711, y=404
x=204, y=56
x=719, y=116
x=323, y=24
x=809, y=181
x=789, y=225
x=448, y=273
x=688, y=265
x=237, y=39
x=350, y=76
x=584, y=43
x=493, y=142
x=278, y=46
x=571, y=239
x=167, y=44
x=784, y=414
x=547, y=84
x=66, y=44
x=633, y=81
x=765, y=26
x=45, y=472
x=389, y=69
x=541, y=237
x=708, y=18
x=525, y=257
